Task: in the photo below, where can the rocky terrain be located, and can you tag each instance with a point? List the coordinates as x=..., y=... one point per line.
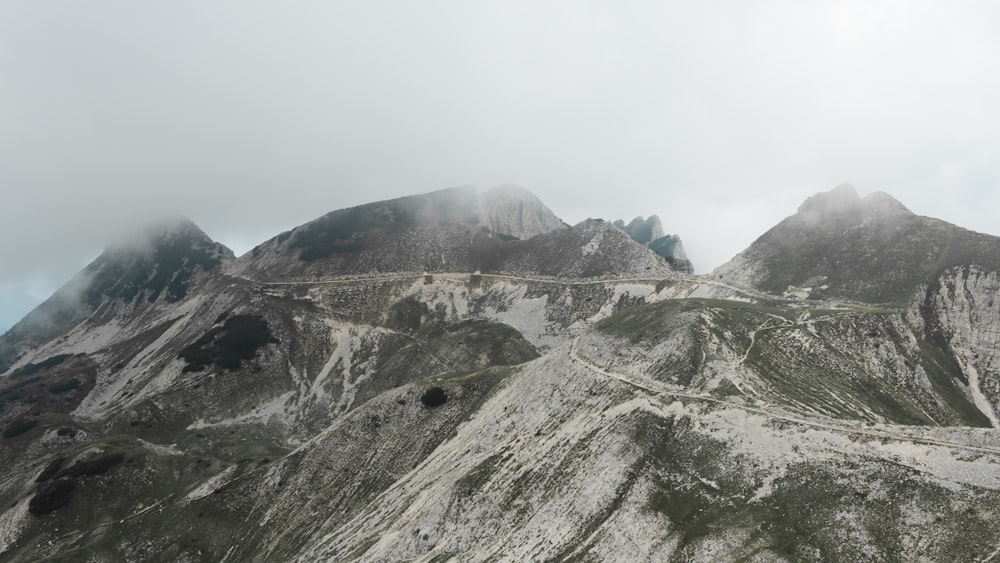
x=456, y=376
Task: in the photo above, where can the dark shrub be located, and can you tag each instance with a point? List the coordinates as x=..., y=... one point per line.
x=229, y=345
x=30, y=369
x=66, y=431
x=242, y=335
x=51, y=469
x=407, y=314
x=96, y=466
x=65, y=386
x=19, y=427
x=434, y=397
x=51, y=496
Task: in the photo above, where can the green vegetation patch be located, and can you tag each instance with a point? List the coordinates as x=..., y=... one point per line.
x=434, y=397
x=227, y=346
x=65, y=386
x=31, y=369
x=811, y=510
x=96, y=466
x=19, y=427
x=407, y=314
x=51, y=496
x=657, y=320
x=819, y=370
x=478, y=476
x=695, y=479
x=51, y=469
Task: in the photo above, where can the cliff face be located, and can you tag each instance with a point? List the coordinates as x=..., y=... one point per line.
x=643, y=231
x=516, y=212
x=649, y=232
x=961, y=309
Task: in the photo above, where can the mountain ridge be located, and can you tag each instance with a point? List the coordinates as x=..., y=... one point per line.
x=429, y=389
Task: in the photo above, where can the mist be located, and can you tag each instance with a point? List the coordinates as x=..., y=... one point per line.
x=251, y=118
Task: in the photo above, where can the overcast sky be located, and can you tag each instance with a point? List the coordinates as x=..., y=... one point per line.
x=253, y=117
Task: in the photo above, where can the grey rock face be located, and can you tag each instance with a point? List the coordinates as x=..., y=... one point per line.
x=516, y=212
x=649, y=232
x=643, y=231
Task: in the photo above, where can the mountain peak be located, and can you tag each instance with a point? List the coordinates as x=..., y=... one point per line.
x=642, y=231
x=841, y=198
x=346, y=234
x=868, y=248
x=649, y=233
x=514, y=211
x=162, y=231
x=844, y=200
x=159, y=260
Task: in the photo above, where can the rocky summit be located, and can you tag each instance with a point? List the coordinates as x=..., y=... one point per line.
x=457, y=376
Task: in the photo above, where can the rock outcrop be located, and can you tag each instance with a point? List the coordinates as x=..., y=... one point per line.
x=516, y=212
x=649, y=232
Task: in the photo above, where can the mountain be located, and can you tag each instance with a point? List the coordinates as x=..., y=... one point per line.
x=872, y=249
x=157, y=265
x=453, y=230
x=404, y=381
x=649, y=232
